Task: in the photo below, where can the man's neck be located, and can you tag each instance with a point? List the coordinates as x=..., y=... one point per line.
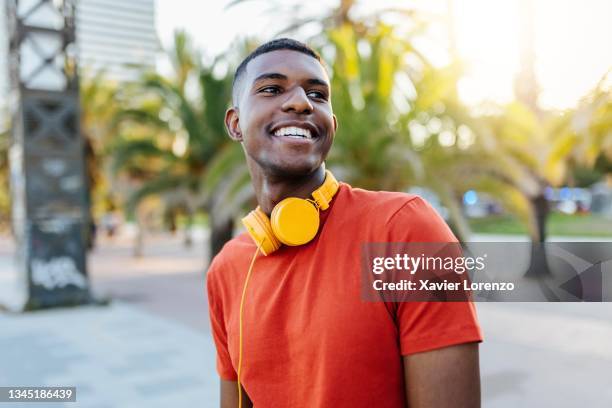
x=270, y=189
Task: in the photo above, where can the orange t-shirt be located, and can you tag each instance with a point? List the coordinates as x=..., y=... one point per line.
x=309, y=338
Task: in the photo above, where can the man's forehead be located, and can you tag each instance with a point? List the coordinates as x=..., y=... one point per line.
x=293, y=64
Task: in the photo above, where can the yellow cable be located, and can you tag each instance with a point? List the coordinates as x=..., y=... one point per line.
x=244, y=289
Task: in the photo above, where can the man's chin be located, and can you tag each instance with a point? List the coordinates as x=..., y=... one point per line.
x=296, y=170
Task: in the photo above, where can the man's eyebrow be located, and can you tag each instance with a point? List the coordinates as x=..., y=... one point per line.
x=316, y=81
x=270, y=75
x=276, y=75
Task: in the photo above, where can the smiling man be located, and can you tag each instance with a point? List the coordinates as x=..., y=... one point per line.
x=287, y=317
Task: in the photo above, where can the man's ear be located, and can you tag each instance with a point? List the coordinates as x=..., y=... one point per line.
x=335, y=123
x=232, y=124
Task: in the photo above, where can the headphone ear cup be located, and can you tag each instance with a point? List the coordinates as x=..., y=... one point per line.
x=258, y=226
x=295, y=221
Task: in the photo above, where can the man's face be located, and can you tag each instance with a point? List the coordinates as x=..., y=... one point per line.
x=284, y=116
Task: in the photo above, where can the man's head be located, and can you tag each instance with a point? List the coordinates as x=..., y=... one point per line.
x=282, y=109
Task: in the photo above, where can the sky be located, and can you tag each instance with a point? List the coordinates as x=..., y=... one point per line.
x=572, y=47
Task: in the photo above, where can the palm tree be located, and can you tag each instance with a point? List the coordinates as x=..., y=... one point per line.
x=366, y=150
x=402, y=123
x=173, y=142
x=593, y=122
x=98, y=97
x=534, y=149
x=435, y=141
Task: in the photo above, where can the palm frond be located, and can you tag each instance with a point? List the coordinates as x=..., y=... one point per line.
x=125, y=151
x=165, y=183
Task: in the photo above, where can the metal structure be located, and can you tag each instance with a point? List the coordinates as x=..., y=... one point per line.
x=48, y=184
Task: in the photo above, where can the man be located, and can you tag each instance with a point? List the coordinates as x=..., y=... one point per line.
x=299, y=333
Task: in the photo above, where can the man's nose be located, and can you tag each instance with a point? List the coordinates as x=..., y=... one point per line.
x=297, y=101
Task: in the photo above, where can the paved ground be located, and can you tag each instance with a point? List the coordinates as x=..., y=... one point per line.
x=152, y=348
x=168, y=281
x=546, y=355
x=116, y=356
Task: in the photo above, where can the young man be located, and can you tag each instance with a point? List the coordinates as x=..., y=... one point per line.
x=299, y=334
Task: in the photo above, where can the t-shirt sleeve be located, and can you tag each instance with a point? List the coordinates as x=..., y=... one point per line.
x=425, y=326
x=225, y=367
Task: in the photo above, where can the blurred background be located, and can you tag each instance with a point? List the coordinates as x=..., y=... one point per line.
x=498, y=113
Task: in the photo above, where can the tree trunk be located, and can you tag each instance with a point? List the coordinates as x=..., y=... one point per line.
x=538, y=266
x=220, y=233
x=188, y=237
x=140, y=231
x=458, y=223
x=139, y=242
x=90, y=182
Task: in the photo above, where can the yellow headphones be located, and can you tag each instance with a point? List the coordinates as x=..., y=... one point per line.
x=294, y=221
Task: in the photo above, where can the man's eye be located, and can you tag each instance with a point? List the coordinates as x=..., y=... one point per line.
x=270, y=90
x=317, y=94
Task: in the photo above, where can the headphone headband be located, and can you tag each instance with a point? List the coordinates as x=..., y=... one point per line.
x=324, y=194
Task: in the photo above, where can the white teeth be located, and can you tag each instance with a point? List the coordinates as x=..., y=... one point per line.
x=295, y=132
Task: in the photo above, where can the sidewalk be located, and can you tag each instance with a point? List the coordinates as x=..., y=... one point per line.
x=108, y=354
x=546, y=355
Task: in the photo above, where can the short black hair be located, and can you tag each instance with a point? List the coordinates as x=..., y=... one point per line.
x=273, y=45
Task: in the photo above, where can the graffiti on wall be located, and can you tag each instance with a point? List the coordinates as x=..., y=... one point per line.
x=57, y=273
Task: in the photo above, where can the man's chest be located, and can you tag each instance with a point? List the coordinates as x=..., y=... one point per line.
x=308, y=312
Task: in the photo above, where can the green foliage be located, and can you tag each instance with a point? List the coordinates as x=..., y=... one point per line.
x=367, y=150
x=173, y=143
x=585, y=176
x=387, y=100
x=586, y=225
x=593, y=122
x=99, y=104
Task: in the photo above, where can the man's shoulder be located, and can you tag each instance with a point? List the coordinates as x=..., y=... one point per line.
x=401, y=216
x=235, y=249
x=385, y=204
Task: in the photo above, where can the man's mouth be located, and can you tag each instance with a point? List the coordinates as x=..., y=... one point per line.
x=293, y=132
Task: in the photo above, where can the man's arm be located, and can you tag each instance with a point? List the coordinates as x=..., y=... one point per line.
x=229, y=395
x=446, y=377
